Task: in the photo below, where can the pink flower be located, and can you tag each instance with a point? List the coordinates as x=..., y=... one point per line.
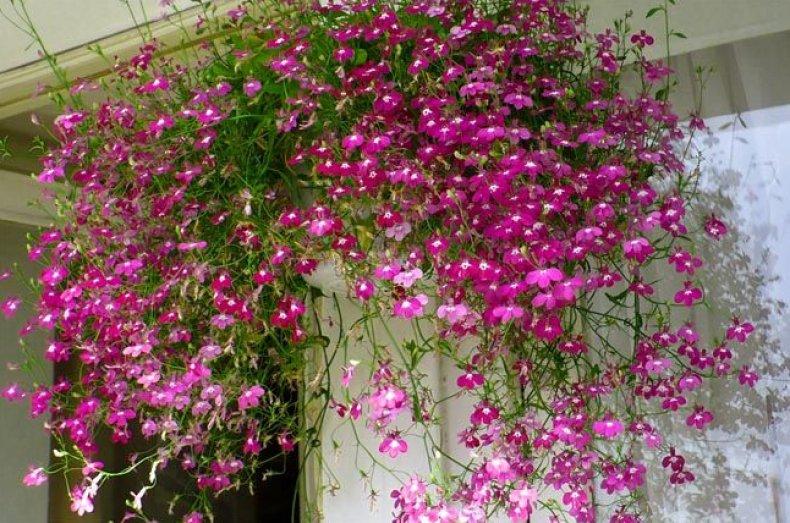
x=484, y=414
x=398, y=232
x=135, y=351
x=393, y=445
x=699, y=418
x=506, y=313
x=53, y=275
x=453, y=313
x=715, y=228
x=364, y=289
x=251, y=87
x=739, y=331
x=638, y=249
x=410, y=307
x=689, y=295
x=521, y=502
x=250, y=397
x=747, y=377
x=352, y=141
x=544, y=277
x=407, y=278
x=286, y=442
x=13, y=392
x=35, y=476
x=81, y=500
x=608, y=428
x=348, y=373
x=470, y=380
x=10, y=306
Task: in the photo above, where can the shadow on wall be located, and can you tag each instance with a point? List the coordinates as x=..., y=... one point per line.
x=740, y=463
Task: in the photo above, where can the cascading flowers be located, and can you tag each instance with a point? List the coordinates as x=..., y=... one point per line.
x=473, y=167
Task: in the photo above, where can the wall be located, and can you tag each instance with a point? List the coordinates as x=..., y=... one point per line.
x=22, y=440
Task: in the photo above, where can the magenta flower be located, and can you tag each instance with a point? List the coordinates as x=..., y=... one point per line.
x=410, y=307
x=286, y=442
x=506, y=313
x=544, y=277
x=252, y=87
x=715, y=228
x=453, y=313
x=484, y=414
x=739, y=331
x=13, y=392
x=364, y=289
x=470, y=380
x=250, y=397
x=689, y=295
x=608, y=428
x=393, y=445
x=747, y=377
x=699, y=418
x=10, y=306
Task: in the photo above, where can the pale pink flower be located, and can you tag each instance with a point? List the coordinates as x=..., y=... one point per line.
x=410, y=307
x=35, y=476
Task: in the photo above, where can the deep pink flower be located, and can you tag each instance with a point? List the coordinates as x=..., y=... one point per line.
x=715, y=228
x=544, y=277
x=393, y=445
x=699, y=418
x=689, y=295
x=484, y=413
x=739, y=331
x=10, y=306
x=608, y=428
x=470, y=380
x=364, y=289
x=747, y=377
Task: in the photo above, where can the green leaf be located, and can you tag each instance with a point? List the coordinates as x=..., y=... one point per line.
x=653, y=11
x=679, y=35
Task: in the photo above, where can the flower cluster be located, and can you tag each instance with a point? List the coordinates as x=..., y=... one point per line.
x=476, y=168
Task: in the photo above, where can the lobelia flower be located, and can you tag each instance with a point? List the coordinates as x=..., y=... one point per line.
x=544, y=277
x=407, y=278
x=250, y=397
x=408, y=308
x=739, y=331
x=252, y=87
x=393, y=445
x=286, y=442
x=364, y=289
x=470, y=380
x=35, y=476
x=689, y=295
x=715, y=228
x=699, y=418
x=453, y=313
x=10, y=306
x=747, y=377
x=608, y=428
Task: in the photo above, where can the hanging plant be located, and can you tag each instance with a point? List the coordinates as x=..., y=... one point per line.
x=475, y=170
